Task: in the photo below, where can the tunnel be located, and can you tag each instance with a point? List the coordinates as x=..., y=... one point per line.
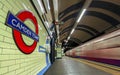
x=59, y=37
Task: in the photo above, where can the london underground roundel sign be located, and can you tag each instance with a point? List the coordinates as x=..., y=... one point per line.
x=19, y=28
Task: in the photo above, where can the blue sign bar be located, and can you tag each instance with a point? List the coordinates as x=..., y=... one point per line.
x=42, y=49
x=15, y=23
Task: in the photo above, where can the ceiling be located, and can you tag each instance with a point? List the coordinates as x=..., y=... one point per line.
x=101, y=17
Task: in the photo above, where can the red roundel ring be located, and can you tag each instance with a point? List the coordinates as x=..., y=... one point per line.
x=24, y=15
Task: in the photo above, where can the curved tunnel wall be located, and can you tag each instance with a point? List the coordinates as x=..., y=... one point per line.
x=105, y=49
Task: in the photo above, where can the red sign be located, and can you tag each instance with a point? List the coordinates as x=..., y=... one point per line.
x=22, y=16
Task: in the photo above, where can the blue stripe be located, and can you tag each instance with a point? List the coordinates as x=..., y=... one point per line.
x=47, y=61
x=44, y=70
x=43, y=49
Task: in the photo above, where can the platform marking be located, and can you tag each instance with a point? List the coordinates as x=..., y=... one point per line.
x=110, y=71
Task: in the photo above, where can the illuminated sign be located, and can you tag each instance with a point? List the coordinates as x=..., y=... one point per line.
x=19, y=28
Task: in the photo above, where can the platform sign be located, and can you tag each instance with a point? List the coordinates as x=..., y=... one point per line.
x=15, y=23
x=19, y=28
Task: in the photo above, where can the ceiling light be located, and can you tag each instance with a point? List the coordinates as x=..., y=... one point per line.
x=41, y=6
x=81, y=15
x=72, y=31
x=68, y=38
x=48, y=5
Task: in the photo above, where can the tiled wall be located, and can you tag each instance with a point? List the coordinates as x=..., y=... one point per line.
x=12, y=60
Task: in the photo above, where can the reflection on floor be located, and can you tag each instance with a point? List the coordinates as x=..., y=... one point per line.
x=69, y=66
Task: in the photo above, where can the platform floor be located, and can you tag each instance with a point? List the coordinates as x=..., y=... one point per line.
x=69, y=66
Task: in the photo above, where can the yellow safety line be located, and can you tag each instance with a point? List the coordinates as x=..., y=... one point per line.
x=102, y=64
x=108, y=70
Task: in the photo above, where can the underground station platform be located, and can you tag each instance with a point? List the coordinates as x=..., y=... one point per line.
x=75, y=66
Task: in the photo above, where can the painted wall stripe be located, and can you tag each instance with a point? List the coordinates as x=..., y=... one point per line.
x=43, y=50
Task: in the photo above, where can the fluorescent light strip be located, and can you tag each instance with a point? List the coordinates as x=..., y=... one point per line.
x=68, y=38
x=72, y=31
x=48, y=5
x=41, y=6
x=81, y=15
